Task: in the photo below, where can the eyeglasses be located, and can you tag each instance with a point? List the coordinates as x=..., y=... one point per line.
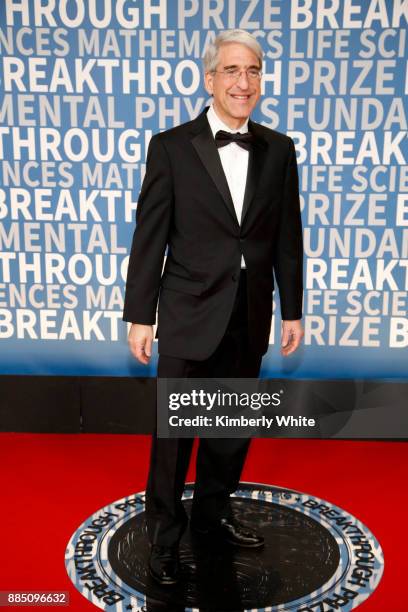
x=233, y=74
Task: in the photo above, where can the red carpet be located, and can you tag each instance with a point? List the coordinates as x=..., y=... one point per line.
x=52, y=483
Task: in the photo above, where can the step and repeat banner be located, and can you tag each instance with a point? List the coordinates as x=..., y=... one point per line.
x=85, y=84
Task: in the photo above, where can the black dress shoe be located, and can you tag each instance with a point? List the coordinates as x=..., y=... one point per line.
x=231, y=531
x=164, y=564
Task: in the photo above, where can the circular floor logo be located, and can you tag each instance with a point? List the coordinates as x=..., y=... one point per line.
x=316, y=557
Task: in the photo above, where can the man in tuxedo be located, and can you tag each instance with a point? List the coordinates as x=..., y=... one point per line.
x=221, y=192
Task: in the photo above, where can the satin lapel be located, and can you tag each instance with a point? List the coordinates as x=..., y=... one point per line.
x=255, y=164
x=204, y=144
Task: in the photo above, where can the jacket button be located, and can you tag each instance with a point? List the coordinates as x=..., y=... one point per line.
x=234, y=277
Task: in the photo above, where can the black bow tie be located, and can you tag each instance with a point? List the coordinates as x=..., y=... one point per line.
x=245, y=141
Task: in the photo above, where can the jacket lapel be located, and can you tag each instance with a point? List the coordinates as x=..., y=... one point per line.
x=255, y=163
x=204, y=144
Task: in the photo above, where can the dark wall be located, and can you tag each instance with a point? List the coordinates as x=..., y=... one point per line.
x=346, y=409
x=70, y=404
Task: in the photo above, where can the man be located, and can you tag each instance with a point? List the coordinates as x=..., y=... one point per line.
x=222, y=193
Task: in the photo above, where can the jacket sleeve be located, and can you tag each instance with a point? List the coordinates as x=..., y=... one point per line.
x=153, y=217
x=289, y=247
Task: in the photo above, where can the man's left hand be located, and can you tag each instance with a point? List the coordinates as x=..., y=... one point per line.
x=292, y=334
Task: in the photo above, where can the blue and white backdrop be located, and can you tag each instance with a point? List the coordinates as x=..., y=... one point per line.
x=85, y=84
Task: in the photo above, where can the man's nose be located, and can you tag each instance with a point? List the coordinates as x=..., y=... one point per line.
x=243, y=81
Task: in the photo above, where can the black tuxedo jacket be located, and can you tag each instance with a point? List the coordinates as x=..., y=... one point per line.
x=185, y=204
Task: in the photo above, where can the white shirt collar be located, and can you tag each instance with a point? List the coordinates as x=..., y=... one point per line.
x=216, y=123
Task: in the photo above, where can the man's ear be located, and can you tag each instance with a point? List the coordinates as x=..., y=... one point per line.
x=208, y=82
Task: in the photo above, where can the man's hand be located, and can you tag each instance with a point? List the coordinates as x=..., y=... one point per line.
x=292, y=334
x=140, y=341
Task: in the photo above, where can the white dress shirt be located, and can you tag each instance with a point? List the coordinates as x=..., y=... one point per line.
x=234, y=160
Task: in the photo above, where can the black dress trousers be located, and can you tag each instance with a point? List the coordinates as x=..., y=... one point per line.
x=219, y=460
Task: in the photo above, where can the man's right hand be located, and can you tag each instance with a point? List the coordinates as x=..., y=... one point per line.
x=140, y=341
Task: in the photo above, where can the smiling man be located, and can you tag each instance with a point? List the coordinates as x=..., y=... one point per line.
x=221, y=192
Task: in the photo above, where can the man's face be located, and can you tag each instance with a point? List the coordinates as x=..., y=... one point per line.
x=234, y=99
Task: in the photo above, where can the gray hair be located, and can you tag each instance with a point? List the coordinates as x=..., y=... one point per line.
x=242, y=37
